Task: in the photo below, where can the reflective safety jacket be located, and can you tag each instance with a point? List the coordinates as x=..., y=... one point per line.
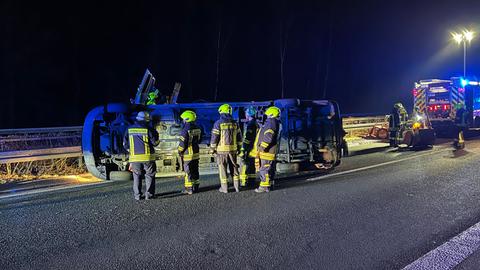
x=249, y=135
x=190, y=137
x=226, y=135
x=267, y=140
x=140, y=140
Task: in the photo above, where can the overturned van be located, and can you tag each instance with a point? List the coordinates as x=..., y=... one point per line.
x=311, y=132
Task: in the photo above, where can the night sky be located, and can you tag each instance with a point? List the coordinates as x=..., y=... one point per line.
x=59, y=60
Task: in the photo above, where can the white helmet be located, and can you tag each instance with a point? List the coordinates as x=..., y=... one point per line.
x=143, y=116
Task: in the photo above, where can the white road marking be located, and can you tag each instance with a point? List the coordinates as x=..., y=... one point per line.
x=451, y=253
x=374, y=166
x=32, y=192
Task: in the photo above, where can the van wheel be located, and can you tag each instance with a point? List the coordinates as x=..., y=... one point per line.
x=120, y=176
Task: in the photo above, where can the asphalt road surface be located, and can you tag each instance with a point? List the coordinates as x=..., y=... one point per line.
x=377, y=211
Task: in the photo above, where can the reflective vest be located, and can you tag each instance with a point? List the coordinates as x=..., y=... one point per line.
x=226, y=136
x=190, y=137
x=140, y=140
x=266, y=141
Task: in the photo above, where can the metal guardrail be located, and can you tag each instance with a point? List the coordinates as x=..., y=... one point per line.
x=40, y=154
x=24, y=131
x=355, y=123
x=41, y=138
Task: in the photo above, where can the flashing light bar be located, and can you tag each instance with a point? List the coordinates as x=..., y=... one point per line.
x=473, y=83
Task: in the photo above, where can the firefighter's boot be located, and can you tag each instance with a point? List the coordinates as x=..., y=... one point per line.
x=196, y=188
x=188, y=191
x=236, y=185
x=262, y=190
x=223, y=188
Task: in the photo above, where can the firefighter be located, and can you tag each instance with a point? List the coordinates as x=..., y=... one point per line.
x=225, y=143
x=397, y=121
x=152, y=97
x=139, y=140
x=247, y=172
x=188, y=151
x=266, y=146
x=461, y=124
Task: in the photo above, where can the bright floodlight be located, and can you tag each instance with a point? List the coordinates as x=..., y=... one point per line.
x=468, y=35
x=457, y=37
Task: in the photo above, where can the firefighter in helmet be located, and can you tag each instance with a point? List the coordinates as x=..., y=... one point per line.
x=461, y=124
x=226, y=143
x=397, y=121
x=188, y=151
x=266, y=145
x=247, y=171
x=139, y=141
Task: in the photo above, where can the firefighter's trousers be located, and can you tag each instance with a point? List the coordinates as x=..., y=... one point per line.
x=393, y=136
x=247, y=171
x=138, y=169
x=267, y=172
x=227, y=161
x=192, y=175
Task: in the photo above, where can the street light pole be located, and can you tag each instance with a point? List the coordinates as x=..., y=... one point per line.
x=464, y=58
x=464, y=37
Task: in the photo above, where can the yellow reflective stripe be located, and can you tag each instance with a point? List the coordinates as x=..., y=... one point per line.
x=132, y=145
x=182, y=138
x=246, y=141
x=266, y=183
x=180, y=148
x=269, y=131
x=138, y=130
x=252, y=175
x=223, y=180
x=191, y=157
x=236, y=178
x=226, y=148
x=264, y=144
x=228, y=126
x=215, y=131
x=145, y=144
x=267, y=156
x=188, y=183
x=141, y=158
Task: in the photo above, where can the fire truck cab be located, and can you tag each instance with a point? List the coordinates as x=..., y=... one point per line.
x=437, y=99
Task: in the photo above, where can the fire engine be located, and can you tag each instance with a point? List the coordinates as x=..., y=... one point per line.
x=437, y=99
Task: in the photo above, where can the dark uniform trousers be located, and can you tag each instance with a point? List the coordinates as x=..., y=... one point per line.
x=248, y=172
x=192, y=175
x=138, y=168
x=267, y=172
x=227, y=161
